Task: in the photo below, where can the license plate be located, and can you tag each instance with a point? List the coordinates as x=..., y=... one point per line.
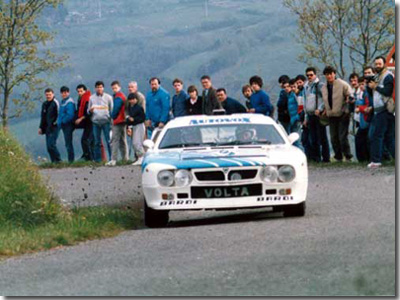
x=210, y=192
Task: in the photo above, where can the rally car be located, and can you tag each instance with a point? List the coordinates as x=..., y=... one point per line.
x=223, y=162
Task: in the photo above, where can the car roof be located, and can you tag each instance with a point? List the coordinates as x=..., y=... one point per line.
x=220, y=119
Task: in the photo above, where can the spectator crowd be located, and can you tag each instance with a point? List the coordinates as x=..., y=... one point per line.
x=305, y=105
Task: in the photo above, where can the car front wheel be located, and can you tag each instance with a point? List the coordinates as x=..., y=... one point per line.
x=155, y=218
x=297, y=210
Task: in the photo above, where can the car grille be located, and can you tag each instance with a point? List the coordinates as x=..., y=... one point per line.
x=220, y=176
x=210, y=176
x=245, y=174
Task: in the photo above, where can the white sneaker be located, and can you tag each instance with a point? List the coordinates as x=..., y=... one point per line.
x=111, y=163
x=374, y=165
x=138, y=162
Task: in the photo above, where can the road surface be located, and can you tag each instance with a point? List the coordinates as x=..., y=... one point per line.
x=345, y=245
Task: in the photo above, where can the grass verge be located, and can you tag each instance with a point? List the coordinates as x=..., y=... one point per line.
x=73, y=227
x=31, y=217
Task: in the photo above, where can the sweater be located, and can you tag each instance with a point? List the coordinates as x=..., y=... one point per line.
x=49, y=115
x=340, y=93
x=118, y=112
x=158, y=106
x=312, y=98
x=232, y=106
x=103, y=105
x=66, y=114
x=383, y=91
x=137, y=113
x=83, y=104
x=179, y=104
x=196, y=108
x=362, y=104
x=260, y=102
x=293, y=108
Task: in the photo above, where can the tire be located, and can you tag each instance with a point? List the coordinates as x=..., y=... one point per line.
x=155, y=218
x=297, y=210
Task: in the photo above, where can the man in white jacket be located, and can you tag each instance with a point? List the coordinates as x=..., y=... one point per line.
x=100, y=106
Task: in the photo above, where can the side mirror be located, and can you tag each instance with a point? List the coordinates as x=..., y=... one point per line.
x=293, y=137
x=148, y=144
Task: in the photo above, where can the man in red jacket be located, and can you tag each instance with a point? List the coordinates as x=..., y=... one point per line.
x=83, y=122
x=118, y=141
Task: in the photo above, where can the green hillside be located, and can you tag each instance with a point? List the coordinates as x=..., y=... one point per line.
x=230, y=40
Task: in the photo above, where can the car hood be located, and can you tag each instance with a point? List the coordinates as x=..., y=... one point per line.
x=221, y=158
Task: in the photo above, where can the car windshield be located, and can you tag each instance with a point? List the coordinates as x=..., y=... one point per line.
x=221, y=135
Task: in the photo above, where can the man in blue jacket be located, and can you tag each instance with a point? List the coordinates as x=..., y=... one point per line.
x=259, y=100
x=157, y=106
x=230, y=105
x=179, y=100
x=66, y=120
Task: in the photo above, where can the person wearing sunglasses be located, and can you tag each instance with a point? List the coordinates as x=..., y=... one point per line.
x=317, y=132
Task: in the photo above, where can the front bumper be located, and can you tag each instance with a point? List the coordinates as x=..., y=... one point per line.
x=181, y=199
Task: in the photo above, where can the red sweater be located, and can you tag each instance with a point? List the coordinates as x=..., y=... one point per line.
x=121, y=115
x=84, y=100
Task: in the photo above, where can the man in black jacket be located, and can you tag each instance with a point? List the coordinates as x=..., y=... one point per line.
x=48, y=125
x=230, y=105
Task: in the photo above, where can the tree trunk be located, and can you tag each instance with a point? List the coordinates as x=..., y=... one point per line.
x=4, y=115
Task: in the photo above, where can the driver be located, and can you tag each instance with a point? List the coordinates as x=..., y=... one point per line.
x=246, y=134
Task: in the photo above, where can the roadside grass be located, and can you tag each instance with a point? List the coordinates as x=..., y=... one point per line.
x=72, y=227
x=80, y=164
x=31, y=217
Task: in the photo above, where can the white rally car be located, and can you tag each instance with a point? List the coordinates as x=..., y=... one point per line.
x=223, y=162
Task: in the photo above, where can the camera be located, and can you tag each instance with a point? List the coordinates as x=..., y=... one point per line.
x=371, y=78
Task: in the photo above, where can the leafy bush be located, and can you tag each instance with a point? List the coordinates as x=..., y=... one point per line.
x=24, y=199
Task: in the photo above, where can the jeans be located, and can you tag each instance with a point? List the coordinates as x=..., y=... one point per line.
x=339, y=129
x=318, y=140
x=362, y=144
x=87, y=142
x=97, y=129
x=382, y=133
x=51, y=143
x=68, y=130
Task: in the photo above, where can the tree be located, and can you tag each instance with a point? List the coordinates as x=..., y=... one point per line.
x=23, y=56
x=375, y=23
x=334, y=32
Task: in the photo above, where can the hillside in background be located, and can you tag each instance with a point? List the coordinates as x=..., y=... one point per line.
x=230, y=40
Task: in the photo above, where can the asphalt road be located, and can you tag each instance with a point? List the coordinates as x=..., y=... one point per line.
x=345, y=245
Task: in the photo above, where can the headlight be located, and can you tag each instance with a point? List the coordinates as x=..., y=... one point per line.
x=165, y=178
x=286, y=173
x=182, y=178
x=269, y=174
